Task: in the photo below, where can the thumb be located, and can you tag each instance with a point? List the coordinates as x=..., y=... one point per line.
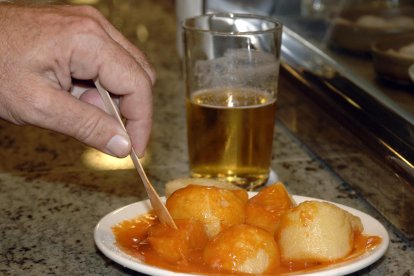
x=60, y=111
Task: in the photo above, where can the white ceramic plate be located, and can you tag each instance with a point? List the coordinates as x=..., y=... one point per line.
x=105, y=241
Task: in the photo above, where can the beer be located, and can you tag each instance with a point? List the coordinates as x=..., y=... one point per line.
x=230, y=134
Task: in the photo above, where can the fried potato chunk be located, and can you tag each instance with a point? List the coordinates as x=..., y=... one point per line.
x=216, y=208
x=265, y=208
x=177, y=245
x=242, y=248
x=315, y=232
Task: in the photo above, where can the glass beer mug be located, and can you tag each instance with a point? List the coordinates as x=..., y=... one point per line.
x=231, y=69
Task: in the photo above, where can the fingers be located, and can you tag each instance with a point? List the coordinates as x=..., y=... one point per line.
x=64, y=113
x=138, y=129
x=120, y=74
x=139, y=133
x=91, y=96
x=126, y=79
x=119, y=38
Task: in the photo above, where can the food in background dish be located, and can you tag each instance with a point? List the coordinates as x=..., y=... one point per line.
x=317, y=232
x=215, y=236
x=375, y=21
x=406, y=51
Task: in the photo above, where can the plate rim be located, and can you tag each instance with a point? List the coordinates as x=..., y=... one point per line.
x=144, y=206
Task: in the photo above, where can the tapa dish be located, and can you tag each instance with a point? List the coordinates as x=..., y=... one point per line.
x=392, y=58
x=356, y=29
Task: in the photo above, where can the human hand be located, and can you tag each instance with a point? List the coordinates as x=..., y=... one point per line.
x=44, y=48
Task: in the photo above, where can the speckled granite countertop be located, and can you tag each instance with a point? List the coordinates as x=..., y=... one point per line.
x=51, y=197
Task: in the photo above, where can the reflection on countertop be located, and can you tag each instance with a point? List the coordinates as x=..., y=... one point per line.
x=53, y=190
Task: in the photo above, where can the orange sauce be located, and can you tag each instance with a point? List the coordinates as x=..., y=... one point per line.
x=130, y=236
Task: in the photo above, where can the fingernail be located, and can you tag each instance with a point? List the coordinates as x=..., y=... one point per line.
x=119, y=145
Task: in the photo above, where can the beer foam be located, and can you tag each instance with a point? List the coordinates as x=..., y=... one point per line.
x=239, y=68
